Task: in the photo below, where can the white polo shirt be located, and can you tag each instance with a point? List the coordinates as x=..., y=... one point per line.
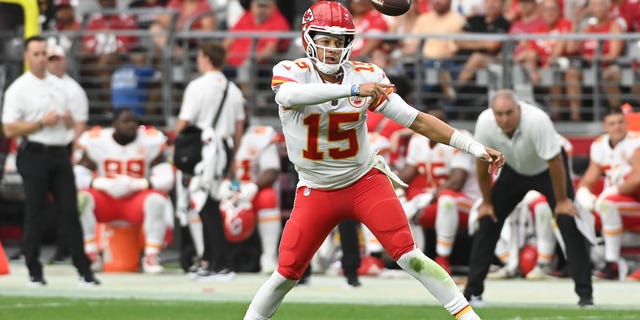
x=201, y=100
x=533, y=143
x=79, y=103
x=29, y=98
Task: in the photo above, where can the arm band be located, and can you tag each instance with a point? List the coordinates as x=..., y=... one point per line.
x=467, y=144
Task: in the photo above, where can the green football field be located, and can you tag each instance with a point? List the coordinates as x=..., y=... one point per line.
x=25, y=308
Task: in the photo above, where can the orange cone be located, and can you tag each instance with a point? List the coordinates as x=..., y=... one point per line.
x=4, y=263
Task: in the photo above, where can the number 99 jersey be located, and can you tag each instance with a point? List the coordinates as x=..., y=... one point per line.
x=132, y=159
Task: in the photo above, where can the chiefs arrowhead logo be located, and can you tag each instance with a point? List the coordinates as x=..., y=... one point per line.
x=308, y=16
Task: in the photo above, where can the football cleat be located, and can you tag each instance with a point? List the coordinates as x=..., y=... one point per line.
x=151, y=264
x=635, y=276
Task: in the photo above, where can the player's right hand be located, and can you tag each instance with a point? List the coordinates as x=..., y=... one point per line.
x=116, y=186
x=585, y=198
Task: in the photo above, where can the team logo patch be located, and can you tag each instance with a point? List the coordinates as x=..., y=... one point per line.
x=357, y=101
x=308, y=16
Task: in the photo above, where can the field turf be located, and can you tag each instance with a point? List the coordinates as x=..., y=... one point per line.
x=27, y=308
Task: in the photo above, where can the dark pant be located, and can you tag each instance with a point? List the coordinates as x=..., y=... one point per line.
x=47, y=170
x=507, y=192
x=350, y=245
x=216, y=246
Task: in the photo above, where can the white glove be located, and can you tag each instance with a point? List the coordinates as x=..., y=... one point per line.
x=116, y=187
x=585, y=198
x=247, y=191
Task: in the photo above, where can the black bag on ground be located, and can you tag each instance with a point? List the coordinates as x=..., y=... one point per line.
x=187, y=150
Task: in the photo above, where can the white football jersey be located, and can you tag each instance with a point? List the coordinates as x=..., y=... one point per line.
x=435, y=162
x=614, y=162
x=257, y=152
x=328, y=142
x=132, y=159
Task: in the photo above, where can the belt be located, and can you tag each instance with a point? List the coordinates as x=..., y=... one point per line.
x=39, y=147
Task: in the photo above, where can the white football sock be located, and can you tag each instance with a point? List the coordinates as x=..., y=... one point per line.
x=269, y=228
x=438, y=282
x=269, y=297
x=611, y=229
x=86, y=207
x=154, y=224
x=446, y=225
x=195, y=228
x=545, y=239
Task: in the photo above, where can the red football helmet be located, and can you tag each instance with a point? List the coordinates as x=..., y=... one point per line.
x=239, y=220
x=528, y=258
x=328, y=17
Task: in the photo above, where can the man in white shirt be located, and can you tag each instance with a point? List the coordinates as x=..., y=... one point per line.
x=201, y=102
x=57, y=65
x=323, y=101
x=37, y=108
x=534, y=162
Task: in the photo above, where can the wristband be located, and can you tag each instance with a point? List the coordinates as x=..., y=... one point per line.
x=355, y=90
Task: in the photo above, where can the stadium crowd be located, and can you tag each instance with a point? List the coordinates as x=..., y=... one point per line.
x=118, y=59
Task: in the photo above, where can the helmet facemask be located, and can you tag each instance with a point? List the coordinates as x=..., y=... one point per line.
x=313, y=33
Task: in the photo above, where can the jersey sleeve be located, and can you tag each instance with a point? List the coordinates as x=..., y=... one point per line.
x=153, y=139
x=289, y=71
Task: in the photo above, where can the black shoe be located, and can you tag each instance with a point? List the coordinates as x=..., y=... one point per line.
x=88, y=280
x=353, y=281
x=36, y=281
x=585, y=302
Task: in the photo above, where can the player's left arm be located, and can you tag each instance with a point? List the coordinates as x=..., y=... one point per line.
x=632, y=182
x=436, y=130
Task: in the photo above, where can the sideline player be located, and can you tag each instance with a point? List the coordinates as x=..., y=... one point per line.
x=323, y=101
x=133, y=178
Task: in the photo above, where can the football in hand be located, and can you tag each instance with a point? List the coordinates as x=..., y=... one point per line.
x=392, y=7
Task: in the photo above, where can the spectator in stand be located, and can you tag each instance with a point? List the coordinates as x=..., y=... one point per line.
x=47, y=14
x=262, y=16
x=629, y=10
x=103, y=43
x=368, y=21
x=187, y=11
x=468, y=8
x=601, y=22
x=146, y=19
x=545, y=52
x=439, y=53
x=481, y=52
x=528, y=21
x=131, y=82
x=65, y=16
x=613, y=155
x=394, y=61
